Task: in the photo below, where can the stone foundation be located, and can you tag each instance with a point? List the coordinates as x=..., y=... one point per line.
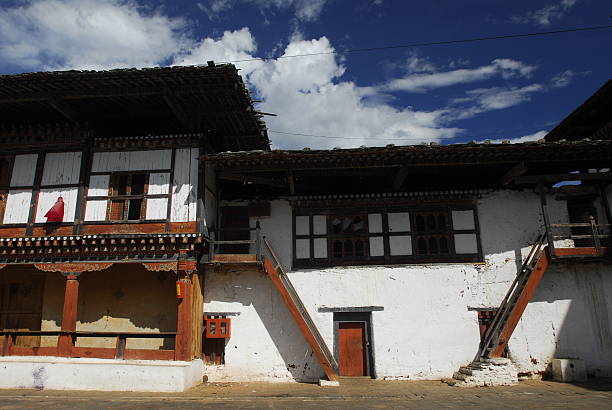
x=57, y=373
x=488, y=372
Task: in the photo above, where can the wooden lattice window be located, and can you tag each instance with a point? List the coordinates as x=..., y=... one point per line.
x=215, y=339
x=394, y=234
x=433, y=233
x=127, y=202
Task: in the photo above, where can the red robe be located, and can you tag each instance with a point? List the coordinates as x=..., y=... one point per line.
x=56, y=213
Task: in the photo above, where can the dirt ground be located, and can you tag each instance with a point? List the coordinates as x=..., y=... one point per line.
x=352, y=394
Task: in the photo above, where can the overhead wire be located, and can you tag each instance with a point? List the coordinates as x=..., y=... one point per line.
x=428, y=43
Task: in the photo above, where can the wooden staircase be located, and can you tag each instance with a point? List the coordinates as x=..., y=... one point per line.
x=512, y=307
x=278, y=275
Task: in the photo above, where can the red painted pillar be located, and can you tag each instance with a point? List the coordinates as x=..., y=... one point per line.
x=183, y=345
x=69, y=315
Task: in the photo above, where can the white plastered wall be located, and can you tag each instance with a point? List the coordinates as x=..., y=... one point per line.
x=426, y=330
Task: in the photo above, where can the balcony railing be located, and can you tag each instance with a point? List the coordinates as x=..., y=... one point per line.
x=591, y=234
x=119, y=352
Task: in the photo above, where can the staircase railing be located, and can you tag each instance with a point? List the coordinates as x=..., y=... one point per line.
x=317, y=343
x=493, y=335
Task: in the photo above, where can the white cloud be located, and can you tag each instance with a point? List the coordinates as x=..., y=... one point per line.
x=309, y=96
x=305, y=10
x=546, y=15
x=481, y=100
x=422, y=78
x=86, y=34
x=565, y=78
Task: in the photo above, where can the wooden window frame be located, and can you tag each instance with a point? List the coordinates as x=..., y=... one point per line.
x=387, y=258
x=112, y=195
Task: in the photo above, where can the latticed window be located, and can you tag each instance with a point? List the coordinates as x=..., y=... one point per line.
x=327, y=237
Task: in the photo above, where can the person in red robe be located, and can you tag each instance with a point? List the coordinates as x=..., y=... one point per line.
x=56, y=213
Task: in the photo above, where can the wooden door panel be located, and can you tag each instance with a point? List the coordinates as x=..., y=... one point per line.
x=352, y=349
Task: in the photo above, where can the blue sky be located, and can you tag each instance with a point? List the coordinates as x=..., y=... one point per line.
x=513, y=89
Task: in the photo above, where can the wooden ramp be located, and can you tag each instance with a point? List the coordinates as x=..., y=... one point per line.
x=275, y=270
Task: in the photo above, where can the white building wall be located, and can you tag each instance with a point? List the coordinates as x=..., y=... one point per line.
x=426, y=330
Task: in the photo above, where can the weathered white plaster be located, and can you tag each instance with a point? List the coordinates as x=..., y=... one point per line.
x=17, y=206
x=399, y=221
x=425, y=330
x=463, y=220
x=24, y=170
x=57, y=373
x=131, y=161
x=210, y=197
x=47, y=197
x=185, y=185
x=61, y=168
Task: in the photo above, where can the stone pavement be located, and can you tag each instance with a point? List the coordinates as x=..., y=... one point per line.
x=352, y=394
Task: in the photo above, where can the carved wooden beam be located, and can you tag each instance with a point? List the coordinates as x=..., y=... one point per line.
x=73, y=267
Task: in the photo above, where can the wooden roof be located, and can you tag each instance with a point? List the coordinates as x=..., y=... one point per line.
x=407, y=168
x=593, y=119
x=207, y=99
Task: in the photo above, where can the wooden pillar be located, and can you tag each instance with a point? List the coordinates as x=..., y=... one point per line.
x=183, y=345
x=69, y=315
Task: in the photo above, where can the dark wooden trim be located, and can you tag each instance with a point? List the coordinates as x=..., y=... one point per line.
x=516, y=171
x=538, y=179
x=351, y=309
x=97, y=352
x=40, y=163
x=171, y=189
x=79, y=214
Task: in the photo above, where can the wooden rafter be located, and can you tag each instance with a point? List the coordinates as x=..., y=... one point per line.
x=551, y=178
x=254, y=179
x=400, y=178
x=63, y=108
x=516, y=171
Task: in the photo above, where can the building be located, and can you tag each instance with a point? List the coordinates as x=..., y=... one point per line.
x=183, y=246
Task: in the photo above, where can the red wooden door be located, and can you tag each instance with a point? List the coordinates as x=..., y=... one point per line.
x=352, y=349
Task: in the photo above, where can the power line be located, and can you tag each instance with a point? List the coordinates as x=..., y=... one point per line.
x=429, y=43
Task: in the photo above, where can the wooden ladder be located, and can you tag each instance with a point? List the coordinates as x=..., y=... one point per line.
x=512, y=307
x=278, y=275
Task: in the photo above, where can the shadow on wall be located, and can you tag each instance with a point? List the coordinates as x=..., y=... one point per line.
x=123, y=298
x=262, y=311
x=569, y=317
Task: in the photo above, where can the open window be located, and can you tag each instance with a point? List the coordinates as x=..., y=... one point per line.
x=127, y=197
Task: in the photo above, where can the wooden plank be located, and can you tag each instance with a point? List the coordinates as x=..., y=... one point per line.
x=96, y=210
x=148, y=354
x=197, y=310
x=234, y=258
x=32, y=351
x=352, y=349
x=255, y=179
x=184, y=186
x=516, y=171
x=98, y=185
x=121, y=161
x=578, y=251
x=159, y=183
x=97, y=352
x=47, y=197
x=400, y=178
x=17, y=208
x=24, y=170
x=299, y=320
x=532, y=284
x=61, y=168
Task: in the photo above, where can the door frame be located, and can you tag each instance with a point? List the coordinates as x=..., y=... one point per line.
x=359, y=317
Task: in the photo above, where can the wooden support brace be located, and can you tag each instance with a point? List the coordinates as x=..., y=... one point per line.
x=66, y=341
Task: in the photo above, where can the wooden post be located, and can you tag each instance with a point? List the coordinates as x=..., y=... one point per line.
x=183, y=344
x=549, y=235
x=69, y=315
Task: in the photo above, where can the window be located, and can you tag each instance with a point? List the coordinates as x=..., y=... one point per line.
x=128, y=197
x=327, y=237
